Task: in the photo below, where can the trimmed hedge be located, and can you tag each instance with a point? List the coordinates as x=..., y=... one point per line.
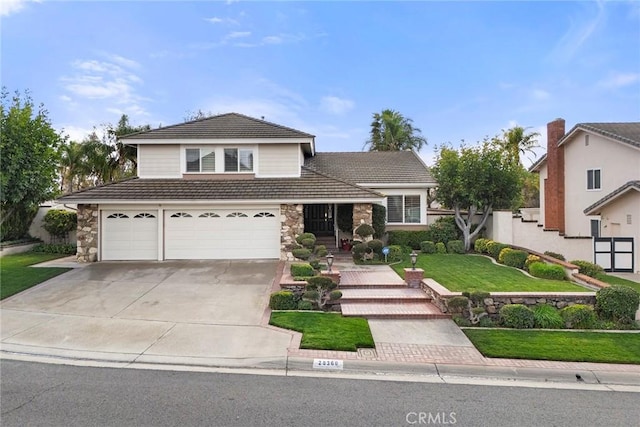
x=517, y=316
x=480, y=245
x=301, y=253
x=302, y=270
x=455, y=247
x=308, y=240
x=364, y=230
x=530, y=260
x=376, y=245
x=555, y=255
x=441, y=248
x=617, y=303
x=587, y=268
x=494, y=249
x=358, y=251
x=547, y=317
x=411, y=239
x=395, y=253
x=427, y=247
x=55, y=248
x=503, y=253
x=283, y=300
x=515, y=258
x=443, y=230
x=579, y=316
x=547, y=271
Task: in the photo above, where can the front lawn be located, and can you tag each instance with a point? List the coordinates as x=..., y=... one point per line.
x=326, y=331
x=568, y=346
x=613, y=280
x=16, y=275
x=460, y=273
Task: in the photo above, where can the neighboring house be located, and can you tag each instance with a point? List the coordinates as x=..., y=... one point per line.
x=590, y=187
x=236, y=187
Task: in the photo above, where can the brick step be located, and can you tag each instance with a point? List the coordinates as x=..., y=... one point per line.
x=383, y=295
x=372, y=286
x=411, y=310
x=354, y=278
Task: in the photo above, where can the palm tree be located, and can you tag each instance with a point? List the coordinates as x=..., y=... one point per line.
x=515, y=142
x=72, y=167
x=391, y=131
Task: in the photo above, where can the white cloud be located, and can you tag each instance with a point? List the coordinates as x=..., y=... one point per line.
x=272, y=40
x=618, y=80
x=335, y=105
x=217, y=20
x=8, y=7
x=580, y=30
x=76, y=133
x=65, y=98
x=237, y=35
x=540, y=95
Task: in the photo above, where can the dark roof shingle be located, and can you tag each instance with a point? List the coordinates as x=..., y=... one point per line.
x=373, y=167
x=227, y=126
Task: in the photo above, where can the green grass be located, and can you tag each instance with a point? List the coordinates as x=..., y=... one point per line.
x=599, y=347
x=613, y=280
x=460, y=273
x=16, y=275
x=326, y=331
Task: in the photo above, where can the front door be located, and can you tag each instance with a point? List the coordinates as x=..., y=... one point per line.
x=318, y=219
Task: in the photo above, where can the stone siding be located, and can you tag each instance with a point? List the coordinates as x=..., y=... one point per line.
x=291, y=226
x=87, y=233
x=362, y=213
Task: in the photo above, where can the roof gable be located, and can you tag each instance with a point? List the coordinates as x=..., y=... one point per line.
x=617, y=193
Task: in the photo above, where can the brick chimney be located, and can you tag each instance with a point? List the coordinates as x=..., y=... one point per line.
x=554, y=185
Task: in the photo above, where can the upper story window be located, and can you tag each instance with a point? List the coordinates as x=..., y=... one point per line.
x=593, y=179
x=238, y=160
x=403, y=209
x=200, y=160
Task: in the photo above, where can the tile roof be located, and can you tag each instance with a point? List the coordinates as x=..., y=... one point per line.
x=631, y=185
x=227, y=126
x=310, y=186
x=373, y=167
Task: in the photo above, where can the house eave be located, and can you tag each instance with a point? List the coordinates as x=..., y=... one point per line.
x=201, y=202
x=421, y=185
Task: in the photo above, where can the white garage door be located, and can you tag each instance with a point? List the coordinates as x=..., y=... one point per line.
x=129, y=235
x=222, y=233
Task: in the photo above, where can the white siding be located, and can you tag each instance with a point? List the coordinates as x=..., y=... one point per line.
x=281, y=160
x=619, y=163
x=159, y=161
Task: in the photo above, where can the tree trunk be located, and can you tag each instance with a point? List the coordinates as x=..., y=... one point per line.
x=465, y=225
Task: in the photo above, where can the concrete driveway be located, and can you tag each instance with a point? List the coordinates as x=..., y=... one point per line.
x=196, y=312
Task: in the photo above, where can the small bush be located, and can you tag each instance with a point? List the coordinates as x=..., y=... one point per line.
x=486, y=322
x=59, y=223
x=378, y=220
x=517, y=316
x=364, y=230
x=376, y=246
x=578, y=316
x=441, y=248
x=358, y=251
x=443, y=230
x=480, y=245
x=335, y=295
x=427, y=247
x=411, y=239
x=320, y=251
x=455, y=247
x=301, y=253
x=55, y=248
x=555, y=255
x=547, y=271
x=461, y=320
x=530, y=260
x=486, y=246
x=307, y=240
x=587, y=268
x=494, y=249
x=617, y=303
x=305, y=305
x=457, y=304
x=547, y=317
x=503, y=253
x=282, y=300
x=302, y=270
x=395, y=253
x=515, y=258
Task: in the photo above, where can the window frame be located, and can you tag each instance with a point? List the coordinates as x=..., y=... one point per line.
x=594, y=176
x=202, y=153
x=403, y=209
x=239, y=160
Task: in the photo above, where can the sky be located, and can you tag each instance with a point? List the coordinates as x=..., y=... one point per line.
x=461, y=70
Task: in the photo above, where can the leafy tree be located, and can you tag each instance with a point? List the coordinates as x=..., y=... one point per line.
x=475, y=179
x=391, y=131
x=516, y=141
x=28, y=150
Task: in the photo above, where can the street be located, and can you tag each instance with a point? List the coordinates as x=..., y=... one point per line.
x=50, y=395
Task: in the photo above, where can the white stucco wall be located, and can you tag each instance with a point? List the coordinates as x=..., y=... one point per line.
x=159, y=161
x=282, y=160
x=36, y=229
x=543, y=175
x=616, y=224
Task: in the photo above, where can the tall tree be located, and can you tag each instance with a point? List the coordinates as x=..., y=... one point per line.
x=391, y=131
x=476, y=179
x=516, y=141
x=28, y=172
x=73, y=170
x=127, y=155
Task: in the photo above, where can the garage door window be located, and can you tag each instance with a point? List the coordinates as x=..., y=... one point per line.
x=209, y=215
x=181, y=215
x=144, y=215
x=117, y=215
x=264, y=215
x=237, y=215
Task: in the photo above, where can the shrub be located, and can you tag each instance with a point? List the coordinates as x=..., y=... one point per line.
x=55, y=248
x=395, y=253
x=307, y=240
x=411, y=239
x=379, y=220
x=486, y=322
x=301, y=253
x=443, y=230
x=358, y=251
x=441, y=248
x=587, y=268
x=617, y=303
x=282, y=300
x=530, y=260
x=457, y=304
x=486, y=246
x=547, y=271
x=461, y=320
x=480, y=245
x=60, y=222
x=494, y=249
x=427, y=247
x=555, y=255
x=364, y=230
x=376, y=246
x=578, y=316
x=305, y=305
x=320, y=251
x=503, y=253
x=302, y=270
x=455, y=247
x=517, y=316
x=319, y=291
x=547, y=317
x=515, y=258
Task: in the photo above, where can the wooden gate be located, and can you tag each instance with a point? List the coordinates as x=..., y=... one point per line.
x=614, y=253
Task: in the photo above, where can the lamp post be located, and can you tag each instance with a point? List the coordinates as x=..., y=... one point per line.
x=329, y=261
x=414, y=258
